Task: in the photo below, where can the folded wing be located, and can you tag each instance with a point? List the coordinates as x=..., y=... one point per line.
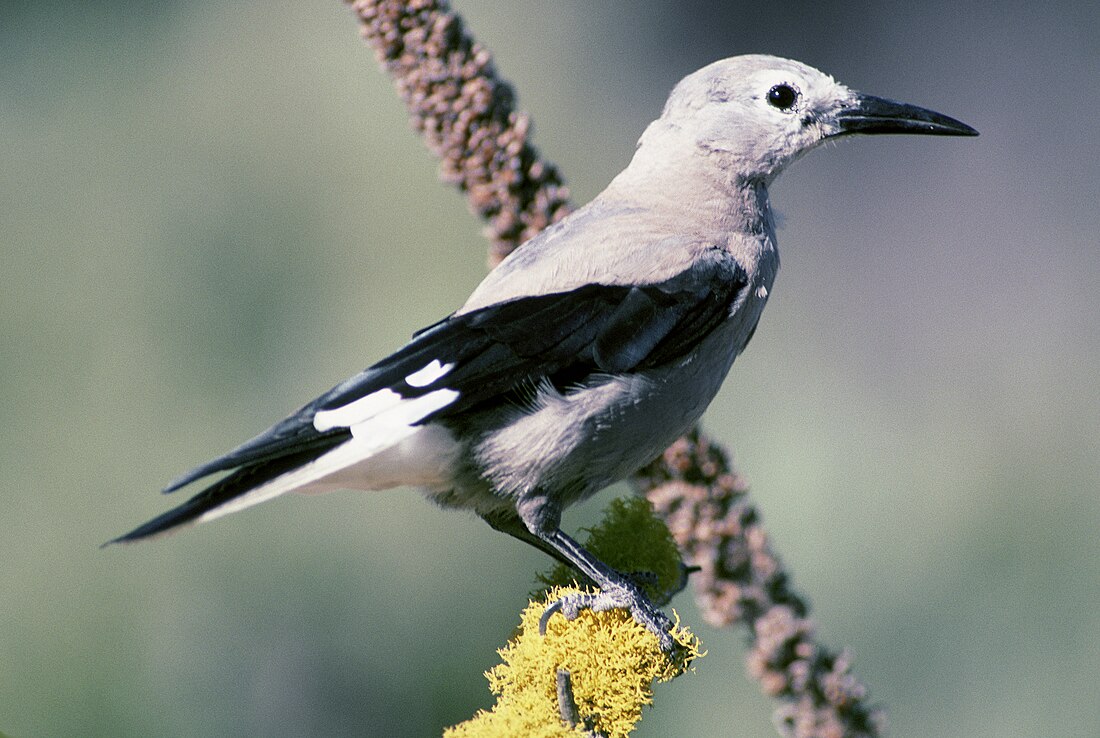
x=466, y=361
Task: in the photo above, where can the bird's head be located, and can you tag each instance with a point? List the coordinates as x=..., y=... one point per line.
x=759, y=113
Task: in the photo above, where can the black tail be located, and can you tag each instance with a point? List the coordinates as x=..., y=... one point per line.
x=236, y=484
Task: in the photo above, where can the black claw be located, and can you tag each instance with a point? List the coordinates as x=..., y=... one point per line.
x=552, y=608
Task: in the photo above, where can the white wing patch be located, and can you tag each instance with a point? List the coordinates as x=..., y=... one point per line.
x=380, y=404
x=428, y=374
x=380, y=421
x=401, y=417
x=356, y=412
x=384, y=408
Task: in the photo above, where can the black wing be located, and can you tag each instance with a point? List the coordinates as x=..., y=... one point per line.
x=513, y=345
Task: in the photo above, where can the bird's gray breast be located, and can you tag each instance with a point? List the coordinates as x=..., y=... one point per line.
x=567, y=446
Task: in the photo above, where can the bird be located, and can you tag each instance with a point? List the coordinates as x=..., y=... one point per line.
x=589, y=349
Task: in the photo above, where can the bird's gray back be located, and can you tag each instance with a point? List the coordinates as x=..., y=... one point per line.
x=617, y=241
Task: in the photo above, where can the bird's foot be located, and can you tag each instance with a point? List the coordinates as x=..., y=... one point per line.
x=628, y=597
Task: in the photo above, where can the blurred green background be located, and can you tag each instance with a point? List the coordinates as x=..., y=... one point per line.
x=211, y=211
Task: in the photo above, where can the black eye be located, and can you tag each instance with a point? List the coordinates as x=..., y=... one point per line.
x=783, y=97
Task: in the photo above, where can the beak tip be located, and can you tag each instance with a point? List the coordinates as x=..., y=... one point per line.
x=957, y=129
x=878, y=115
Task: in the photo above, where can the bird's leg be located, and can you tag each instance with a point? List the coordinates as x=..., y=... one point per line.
x=509, y=522
x=537, y=523
x=616, y=591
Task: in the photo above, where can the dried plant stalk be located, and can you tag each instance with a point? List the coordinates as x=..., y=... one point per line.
x=466, y=113
x=704, y=500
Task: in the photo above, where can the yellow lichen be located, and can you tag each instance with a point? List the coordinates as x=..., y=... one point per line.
x=613, y=661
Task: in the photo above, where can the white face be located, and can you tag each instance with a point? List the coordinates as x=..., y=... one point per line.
x=761, y=111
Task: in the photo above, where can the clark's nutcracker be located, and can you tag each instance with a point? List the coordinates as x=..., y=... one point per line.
x=588, y=350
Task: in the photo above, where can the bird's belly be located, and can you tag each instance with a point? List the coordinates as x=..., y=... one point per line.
x=571, y=446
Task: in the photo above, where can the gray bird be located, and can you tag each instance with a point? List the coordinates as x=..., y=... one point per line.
x=592, y=347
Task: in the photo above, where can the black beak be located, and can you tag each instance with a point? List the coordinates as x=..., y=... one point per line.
x=877, y=115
